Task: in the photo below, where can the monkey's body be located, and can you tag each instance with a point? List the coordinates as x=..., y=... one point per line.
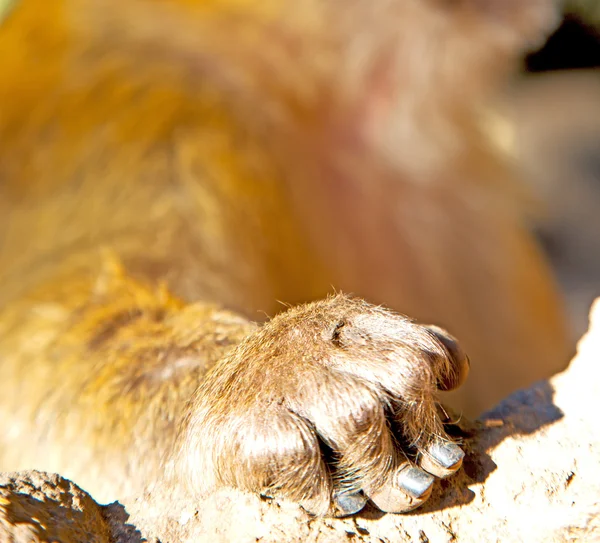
x=242, y=172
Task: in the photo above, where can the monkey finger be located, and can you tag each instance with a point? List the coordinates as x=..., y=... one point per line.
x=348, y=503
x=407, y=488
x=442, y=459
x=460, y=363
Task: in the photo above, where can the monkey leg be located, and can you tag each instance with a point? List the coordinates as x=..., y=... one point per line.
x=95, y=370
x=103, y=381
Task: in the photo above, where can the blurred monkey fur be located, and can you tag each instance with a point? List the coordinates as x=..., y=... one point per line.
x=172, y=170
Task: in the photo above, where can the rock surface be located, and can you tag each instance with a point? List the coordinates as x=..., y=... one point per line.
x=38, y=507
x=532, y=473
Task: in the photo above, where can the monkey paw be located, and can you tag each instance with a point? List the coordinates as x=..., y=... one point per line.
x=329, y=404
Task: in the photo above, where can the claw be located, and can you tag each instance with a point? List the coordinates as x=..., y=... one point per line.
x=415, y=482
x=442, y=459
x=348, y=503
x=408, y=490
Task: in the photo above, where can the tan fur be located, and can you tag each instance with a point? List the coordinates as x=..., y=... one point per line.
x=247, y=153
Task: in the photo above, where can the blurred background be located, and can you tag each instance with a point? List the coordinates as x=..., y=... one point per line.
x=552, y=130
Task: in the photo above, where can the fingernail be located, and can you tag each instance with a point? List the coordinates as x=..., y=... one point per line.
x=406, y=490
x=442, y=459
x=447, y=455
x=415, y=482
x=348, y=503
x=460, y=361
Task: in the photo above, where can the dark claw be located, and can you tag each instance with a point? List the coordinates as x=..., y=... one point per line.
x=447, y=455
x=442, y=459
x=415, y=482
x=460, y=361
x=348, y=503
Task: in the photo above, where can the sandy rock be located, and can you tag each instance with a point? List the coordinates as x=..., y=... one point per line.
x=531, y=474
x=38, y=507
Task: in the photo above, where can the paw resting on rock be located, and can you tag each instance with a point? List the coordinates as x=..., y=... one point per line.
x=329, y=404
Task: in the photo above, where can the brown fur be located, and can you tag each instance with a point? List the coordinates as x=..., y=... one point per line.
x=243, y=153
x=332, y=369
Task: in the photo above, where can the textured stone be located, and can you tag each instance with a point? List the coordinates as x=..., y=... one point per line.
x=38, y=507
